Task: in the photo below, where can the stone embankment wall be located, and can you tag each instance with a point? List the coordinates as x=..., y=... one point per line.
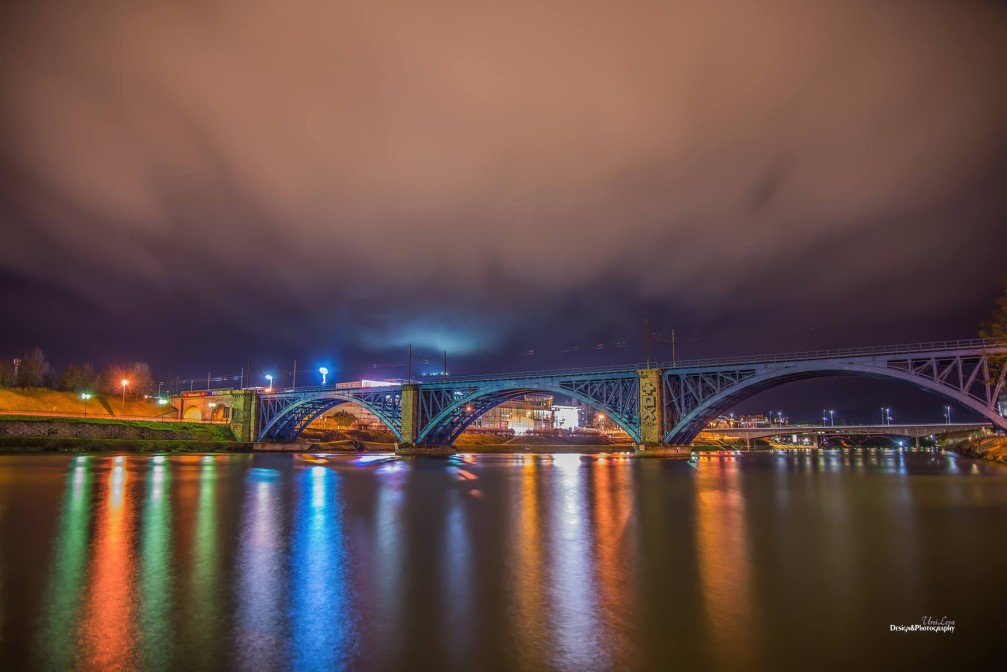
x=69, y=429
x=992, y=448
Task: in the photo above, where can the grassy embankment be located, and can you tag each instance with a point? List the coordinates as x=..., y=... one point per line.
x=149, y=426
x=52, y=402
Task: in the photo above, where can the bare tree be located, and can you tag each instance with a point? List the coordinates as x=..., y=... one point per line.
x=78, y=378
x=34, y=369
x=7, y=373
x=139, y=379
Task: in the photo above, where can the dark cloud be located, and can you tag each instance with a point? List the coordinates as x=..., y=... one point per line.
x=347, y=177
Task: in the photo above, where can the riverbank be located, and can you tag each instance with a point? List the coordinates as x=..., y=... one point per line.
x=41, y=444
x=19, y=434
x=992, y=448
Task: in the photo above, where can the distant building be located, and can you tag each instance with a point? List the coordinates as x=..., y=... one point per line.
x=565, y=417
x=530, y=413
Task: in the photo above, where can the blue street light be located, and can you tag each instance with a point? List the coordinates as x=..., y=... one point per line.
x=269, y=378
x=324, y=373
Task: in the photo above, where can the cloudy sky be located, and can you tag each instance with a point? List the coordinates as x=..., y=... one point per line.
x=203, y=184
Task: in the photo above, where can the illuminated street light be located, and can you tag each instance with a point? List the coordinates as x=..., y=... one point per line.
x=324, y=373
x=270, y=379
x=212, y=406
x=947, y=414
x=832, y=418
x=85, y=396
x=124, y=384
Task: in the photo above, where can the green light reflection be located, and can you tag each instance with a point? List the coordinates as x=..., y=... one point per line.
x=61, y=620
x=155, y=571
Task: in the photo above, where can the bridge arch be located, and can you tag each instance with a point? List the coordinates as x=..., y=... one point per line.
x=683, y=432
x=292, y=420
x=450, y=422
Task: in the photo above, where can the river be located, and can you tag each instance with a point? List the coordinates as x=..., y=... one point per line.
x=501, y=562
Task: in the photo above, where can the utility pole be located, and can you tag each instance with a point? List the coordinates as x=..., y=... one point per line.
x=646, y=339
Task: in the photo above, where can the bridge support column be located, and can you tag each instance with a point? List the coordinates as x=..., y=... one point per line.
x=411, y=426
x=652, y=419
x=244, y=414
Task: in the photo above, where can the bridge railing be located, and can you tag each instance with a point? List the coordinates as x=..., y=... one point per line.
x=908, y=349
x=809, y=355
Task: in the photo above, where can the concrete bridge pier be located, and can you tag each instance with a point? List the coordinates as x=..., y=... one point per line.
x=411, y=426
x=652, y=419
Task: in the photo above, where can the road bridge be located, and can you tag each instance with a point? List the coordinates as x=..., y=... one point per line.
x=819, y=432
x=661, y=406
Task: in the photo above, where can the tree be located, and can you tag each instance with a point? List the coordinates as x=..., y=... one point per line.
x=34, y=369
x=139, y=379
x=996, y=326
x=7, y=373
x=78, y=378
x=343, y=418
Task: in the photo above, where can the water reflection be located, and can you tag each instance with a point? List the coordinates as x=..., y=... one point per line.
x=322, y=624
x=724, y=563
x=261, y=634
x=108, y=627
x=574, y=619
x=155, y=571
x=540, y=562
x=66, y=587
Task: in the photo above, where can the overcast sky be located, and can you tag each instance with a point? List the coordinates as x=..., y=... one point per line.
x=202, y=184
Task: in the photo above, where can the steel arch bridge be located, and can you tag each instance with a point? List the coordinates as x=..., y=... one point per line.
x=664, y=404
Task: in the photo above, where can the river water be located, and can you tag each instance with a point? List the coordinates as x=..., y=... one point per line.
x=567, y=562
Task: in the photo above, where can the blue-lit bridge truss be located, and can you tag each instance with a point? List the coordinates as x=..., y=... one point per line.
x=968, y=373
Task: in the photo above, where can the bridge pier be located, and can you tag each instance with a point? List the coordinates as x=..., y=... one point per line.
x=411, y=426
x=409, y=449
x=673, y=452
x=652, y=419
x=245, y=414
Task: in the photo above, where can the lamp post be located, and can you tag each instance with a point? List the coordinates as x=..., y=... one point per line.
x=212, y=406
x=324, y=373
x=947, y=415
x=85, y=396
x=832, y=418
x=269, y=378
x=124, y=384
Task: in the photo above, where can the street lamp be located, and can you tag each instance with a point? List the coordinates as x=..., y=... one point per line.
x=124, y=384
x=947, y=414
x=270, y=379
x=212, y=406
x=324, y=373
x=888, y=411
x=832, y=418
x=85, y=396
